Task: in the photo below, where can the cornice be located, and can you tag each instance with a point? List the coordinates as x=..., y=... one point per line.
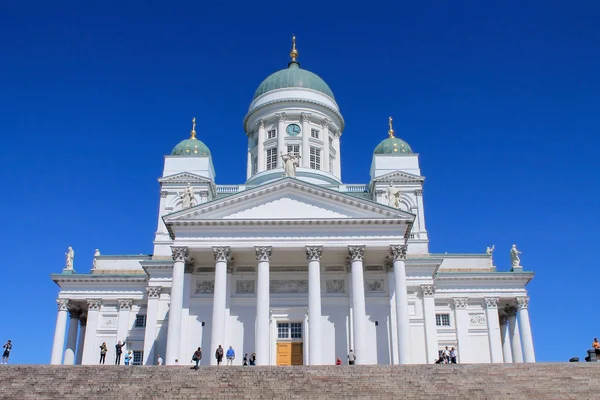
x=484, y=276
x=102, y=278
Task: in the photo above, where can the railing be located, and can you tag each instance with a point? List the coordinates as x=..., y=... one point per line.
x=351, y=188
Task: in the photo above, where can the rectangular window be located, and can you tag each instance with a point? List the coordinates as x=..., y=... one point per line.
x=315, y=158
x=138, y=357
x=442, y=319
x=314, y=133
x=140, y=321
x=296, y=328
x=294, y=149
x=254, y=165
x=283, y=330
x=271, y=134
x=272, y=158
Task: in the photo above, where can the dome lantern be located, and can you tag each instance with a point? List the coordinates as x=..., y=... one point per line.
x=191, y=147
x=393, y=145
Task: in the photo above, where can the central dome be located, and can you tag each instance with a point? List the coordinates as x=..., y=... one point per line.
x=293, y=77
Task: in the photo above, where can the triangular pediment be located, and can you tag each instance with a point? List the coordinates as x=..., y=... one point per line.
x=184, y=177
x=288, y=199
x=399, y=177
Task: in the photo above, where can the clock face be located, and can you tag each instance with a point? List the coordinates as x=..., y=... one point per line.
x=293, y=130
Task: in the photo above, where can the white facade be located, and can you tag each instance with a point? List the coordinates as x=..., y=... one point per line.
x=305, y=261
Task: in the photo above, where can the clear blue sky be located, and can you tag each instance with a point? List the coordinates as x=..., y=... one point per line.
x=500, y=99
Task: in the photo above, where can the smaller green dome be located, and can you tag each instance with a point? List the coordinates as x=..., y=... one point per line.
x=394, y=146
x=191, y=147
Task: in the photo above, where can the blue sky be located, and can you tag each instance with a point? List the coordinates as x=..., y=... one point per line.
x=500, y=99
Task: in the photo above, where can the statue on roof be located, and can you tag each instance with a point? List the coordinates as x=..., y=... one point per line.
x=489, y=251
x=514, y=256
x=290, y=162
x=96, y=255
x=187, y=197
x=393, y=196
x=69, y=255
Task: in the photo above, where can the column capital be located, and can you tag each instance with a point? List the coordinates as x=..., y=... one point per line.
x=325, y=123
x=419, y=192
x=222, y=253
x=125, y=304
x=94, y=304
x=63, y=304
x=491, y=302
x=460, y=303
x=263, y=253
x=357, y=253
x=522, y=302
x=261, y=124
x=163, y=194
x=314, y=253
x=428, y=290
x=398, y=252
x=305, y=116
x=281, y=117
x=179, y=253
x=153, y=292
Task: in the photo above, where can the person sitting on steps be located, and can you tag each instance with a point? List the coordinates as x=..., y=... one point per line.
x=196, y=357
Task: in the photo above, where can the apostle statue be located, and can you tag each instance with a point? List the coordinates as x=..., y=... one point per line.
x=514, y=256
x=489, y=251
x=96, y=255
x=290, y=162
x=69, y=255
x=187, y=197
x=393, y=196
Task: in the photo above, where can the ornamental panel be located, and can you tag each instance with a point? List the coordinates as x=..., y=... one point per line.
x=374, y=286
x=335, y=286
x=289, y=286
x=205, y=287
x=244, y=286
x=477, y=319
x=108, y=322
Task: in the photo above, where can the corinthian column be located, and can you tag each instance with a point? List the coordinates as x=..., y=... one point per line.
x=123, y=321
x=461, y=315
x=431, y=338
x=260, y=151
x=91, y=354
x=59, y=331
x=506, y=347
x=313, y=255
x=359, y=318
x=493, y=325
x=525, y=329
x=513, y=332
x=153, y=296
x=222, y=256
x=280, y=141
x=398, y=255
x=74, y=313
x=305, y=161
x=325, y=158
x=176, y=304
x=263, y=256
x=81, y=339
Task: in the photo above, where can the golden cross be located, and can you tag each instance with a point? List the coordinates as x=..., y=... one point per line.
x=391, y=132
x=194, y=124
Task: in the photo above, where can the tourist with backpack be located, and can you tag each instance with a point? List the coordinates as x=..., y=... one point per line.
x=103, y=351
x=196, y=357
x=219, y=355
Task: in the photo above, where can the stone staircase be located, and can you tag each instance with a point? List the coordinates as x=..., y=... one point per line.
x=511, y=381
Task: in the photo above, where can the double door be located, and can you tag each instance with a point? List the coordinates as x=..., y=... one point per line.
x=289, y=353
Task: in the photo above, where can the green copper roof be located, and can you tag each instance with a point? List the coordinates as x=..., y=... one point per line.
x=191, y=147
x=394, y=146
x=291, y=77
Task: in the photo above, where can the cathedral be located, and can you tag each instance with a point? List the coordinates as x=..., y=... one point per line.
x=293, y=265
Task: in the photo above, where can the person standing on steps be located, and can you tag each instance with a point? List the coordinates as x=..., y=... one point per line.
x=453, y=356
x=6, y=353
x=103, y=351
x=219, y=355
x=245, y=361
x=351, y=357
x=446, y=355
x=338, y=361
x=118, y=352
x=230, y=356
x=196, y=357
x=253, y=360
x=129, y=358
x=159, y=360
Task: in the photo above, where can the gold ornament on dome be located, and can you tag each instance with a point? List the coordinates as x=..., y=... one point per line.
x=193, y=132
x=391, y=131
x=294, y=52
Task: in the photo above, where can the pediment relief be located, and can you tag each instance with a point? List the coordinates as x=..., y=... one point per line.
x=399, y=177
x=184, y=177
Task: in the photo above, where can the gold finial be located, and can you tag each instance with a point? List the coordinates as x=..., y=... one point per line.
x=294, y=52
x=193, y=133
x=391, y=131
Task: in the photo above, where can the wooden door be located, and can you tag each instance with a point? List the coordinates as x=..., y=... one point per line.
x=297, y=354
x=284, y=353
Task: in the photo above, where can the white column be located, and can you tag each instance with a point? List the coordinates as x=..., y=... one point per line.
x=525, y=329
x=185, y=314
x=74, y=313
x=513, y=333
x=153, y=296
x=420, y=211
x=249, y=162
x=59, y=331
x=260, y=151
x=325, y=137
x=313, y=255
x=493, y=325
x=91, y=350
x=393, y=325
x=398, y=255
x=359, y=319
x=280, y=143
x=431, y=339
x=350, y=321
x=461, y=317
x=305, y=160
x=180, y=253
x=123, y=324
x=222, y=256
x=81, y=338
x=338, y=157
x=263, y=256
x=506, y=348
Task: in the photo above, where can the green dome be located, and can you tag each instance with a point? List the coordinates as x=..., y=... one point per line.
x=394, y=146
x=191, y=147
x=291, y=77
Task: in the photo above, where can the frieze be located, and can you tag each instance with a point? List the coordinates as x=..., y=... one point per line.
x=289, y=286
x=335, y=286
x=203, y=287
x=244, y=286
x=477, y=319
x=245, y=269
x=374, y=286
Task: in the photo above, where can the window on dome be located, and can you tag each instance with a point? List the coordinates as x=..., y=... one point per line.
x=271, y=134
x=315, y=158
x=294, y=149
x=314, y=133
x=272, y=158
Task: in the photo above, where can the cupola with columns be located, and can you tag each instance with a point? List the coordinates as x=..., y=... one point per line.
x=294, y=111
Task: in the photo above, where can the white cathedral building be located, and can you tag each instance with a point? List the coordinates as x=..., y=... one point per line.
x=293, y=265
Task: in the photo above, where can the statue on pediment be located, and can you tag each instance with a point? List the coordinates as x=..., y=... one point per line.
x=514, y=256
x=69, y=255
x=96, y=255
x=187, y=197
x=393, y=196
x=290, y=162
